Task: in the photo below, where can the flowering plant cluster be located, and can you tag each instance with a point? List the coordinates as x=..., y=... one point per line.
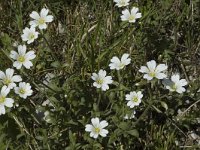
x=116, y=76
x=22, y=58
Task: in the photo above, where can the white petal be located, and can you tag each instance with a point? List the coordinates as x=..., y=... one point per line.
x=89, y=128
x=102, y=73
x=2, y=75
x=11, y=85
x=2, y=109
x=175, y=78
x=129, y=103
x=43, y=26
x=183, y=82
x=35, y=15
x=144, y=69
x=9, y=72
x=161, y=67
x=104, y=132
x=17, y=64
x=105, y=87
x=92, y=134
x=160, y=75
x=44, y=12
x=134, y=10
x=16, y=78
x=9, y=102
x=22, y=50
x=4, y=91
x=30, y=55
x=49, y=18
x=151, y=65
x=146, y=76
x=180, y=90
x=138, y=15
x=115, y=60
x=95, y=135
x=33, y=23
x=95, y=84
x=94, y=76
x=124, y=57
x=108, y=79
x=126, y=13
x=95, y=121
x=27, y=64
x=103, y=124
x=14, y=55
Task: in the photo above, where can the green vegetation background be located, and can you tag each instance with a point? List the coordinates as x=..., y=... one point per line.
x=168, y=32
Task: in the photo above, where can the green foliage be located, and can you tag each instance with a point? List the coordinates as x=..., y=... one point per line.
x=92, y=34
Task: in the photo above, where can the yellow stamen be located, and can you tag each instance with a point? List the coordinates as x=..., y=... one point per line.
x=122, y=3
x=2, y=99
x=22, y=91
x=152, y=74
x=41, y=21
x=131, y=18
x=7, y=81
x=31, y=36
x=21, y=59
x=97, y=130
x=174, y=87
x=121, y=65
x=135, y=99
x=100, y=81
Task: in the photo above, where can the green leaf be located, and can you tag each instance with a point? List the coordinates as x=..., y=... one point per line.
x=133, y=132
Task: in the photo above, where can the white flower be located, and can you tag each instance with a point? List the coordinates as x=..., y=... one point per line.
x=119, y=64
x=41, y=19
x=121, y=3
x=101, y=80
x=97, y=128
x=8, y=78
x=127, y=116
x=134, y=98
x=23, y=90
x=176, y=84
x=4, y=101
x=29, y=34
x=152, y=71
x=130, y=16
x=22, y=58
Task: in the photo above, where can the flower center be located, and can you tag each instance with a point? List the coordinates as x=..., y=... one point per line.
x=131, y=17
x=22, y=91
x=122, y=2
x=121, y=65
x=174, y=87
x=100, y=81
x=21, y=59
x=31, y=36
x=97, y=130
x=135, y=99
x=41, y=21
x=7, y=81
x=152, y=74
x=2, y=99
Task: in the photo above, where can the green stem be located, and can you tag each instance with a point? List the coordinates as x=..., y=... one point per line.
x=99, y=99
x=50, y=47
x=149, y=105
x=120, y=83
x=120, y=89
